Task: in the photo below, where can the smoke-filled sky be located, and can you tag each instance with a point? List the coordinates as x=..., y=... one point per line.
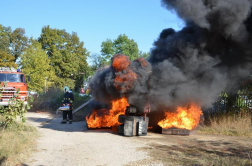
x=210, y=54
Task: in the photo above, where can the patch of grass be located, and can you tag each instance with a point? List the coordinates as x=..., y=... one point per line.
x=231, y=125
x=16, y=143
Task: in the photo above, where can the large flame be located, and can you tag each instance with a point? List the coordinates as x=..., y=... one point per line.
x=107, y=118
x=184, y=117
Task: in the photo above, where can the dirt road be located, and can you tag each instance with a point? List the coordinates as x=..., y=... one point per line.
x=73, y=144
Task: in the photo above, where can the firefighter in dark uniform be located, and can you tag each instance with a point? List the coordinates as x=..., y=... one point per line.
x=68, y=100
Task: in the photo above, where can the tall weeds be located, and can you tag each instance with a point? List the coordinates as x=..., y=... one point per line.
x=236, y=124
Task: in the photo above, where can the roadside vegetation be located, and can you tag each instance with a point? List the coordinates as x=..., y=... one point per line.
x=16, y=142
x=16, y=138
x=48, y=102
x=231, y=114
x=52, y=100
x=230, y=124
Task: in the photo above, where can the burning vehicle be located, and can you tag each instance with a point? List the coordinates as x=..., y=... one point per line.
x=186, y=71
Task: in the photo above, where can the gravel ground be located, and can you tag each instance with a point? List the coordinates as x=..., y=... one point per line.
x=72, y=144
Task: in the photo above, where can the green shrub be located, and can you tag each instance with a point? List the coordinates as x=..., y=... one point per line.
x=15, y=108
x=52, y=100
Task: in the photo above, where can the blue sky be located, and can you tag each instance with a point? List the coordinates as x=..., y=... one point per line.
x=93, y=20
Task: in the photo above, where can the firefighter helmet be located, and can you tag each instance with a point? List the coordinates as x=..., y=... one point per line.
x=66, y=89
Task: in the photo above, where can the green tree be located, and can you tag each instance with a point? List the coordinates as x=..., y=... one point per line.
x=122, y=45
x=67, y=56
x=108, y=49
x=144, y=54
x=5, y=38
x=6, y=59
x=98, y=61
x=12, y=43
x=18, y=42
x=36, y=64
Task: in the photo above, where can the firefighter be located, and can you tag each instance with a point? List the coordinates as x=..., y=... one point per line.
x=68, y=99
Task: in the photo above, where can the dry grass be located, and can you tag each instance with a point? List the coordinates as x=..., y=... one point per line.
x=16, y=143
x=232, y=125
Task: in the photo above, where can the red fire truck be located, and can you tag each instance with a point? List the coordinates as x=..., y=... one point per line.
x=13, y=84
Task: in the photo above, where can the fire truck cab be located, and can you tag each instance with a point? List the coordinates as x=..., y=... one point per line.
x=13, y=84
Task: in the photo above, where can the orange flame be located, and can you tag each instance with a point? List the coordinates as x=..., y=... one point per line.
x=125, y=76
x=120, y=62
x=110, y=118
x=184, y=117
x=124, y=82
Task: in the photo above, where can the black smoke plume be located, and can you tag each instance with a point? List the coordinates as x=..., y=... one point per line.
x=123, y=78
x=210, y=54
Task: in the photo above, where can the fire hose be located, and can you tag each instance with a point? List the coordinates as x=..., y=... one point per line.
x=57, y=111
x=64, y=108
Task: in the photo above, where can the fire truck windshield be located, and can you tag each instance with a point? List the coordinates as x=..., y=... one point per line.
x=12, y=77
